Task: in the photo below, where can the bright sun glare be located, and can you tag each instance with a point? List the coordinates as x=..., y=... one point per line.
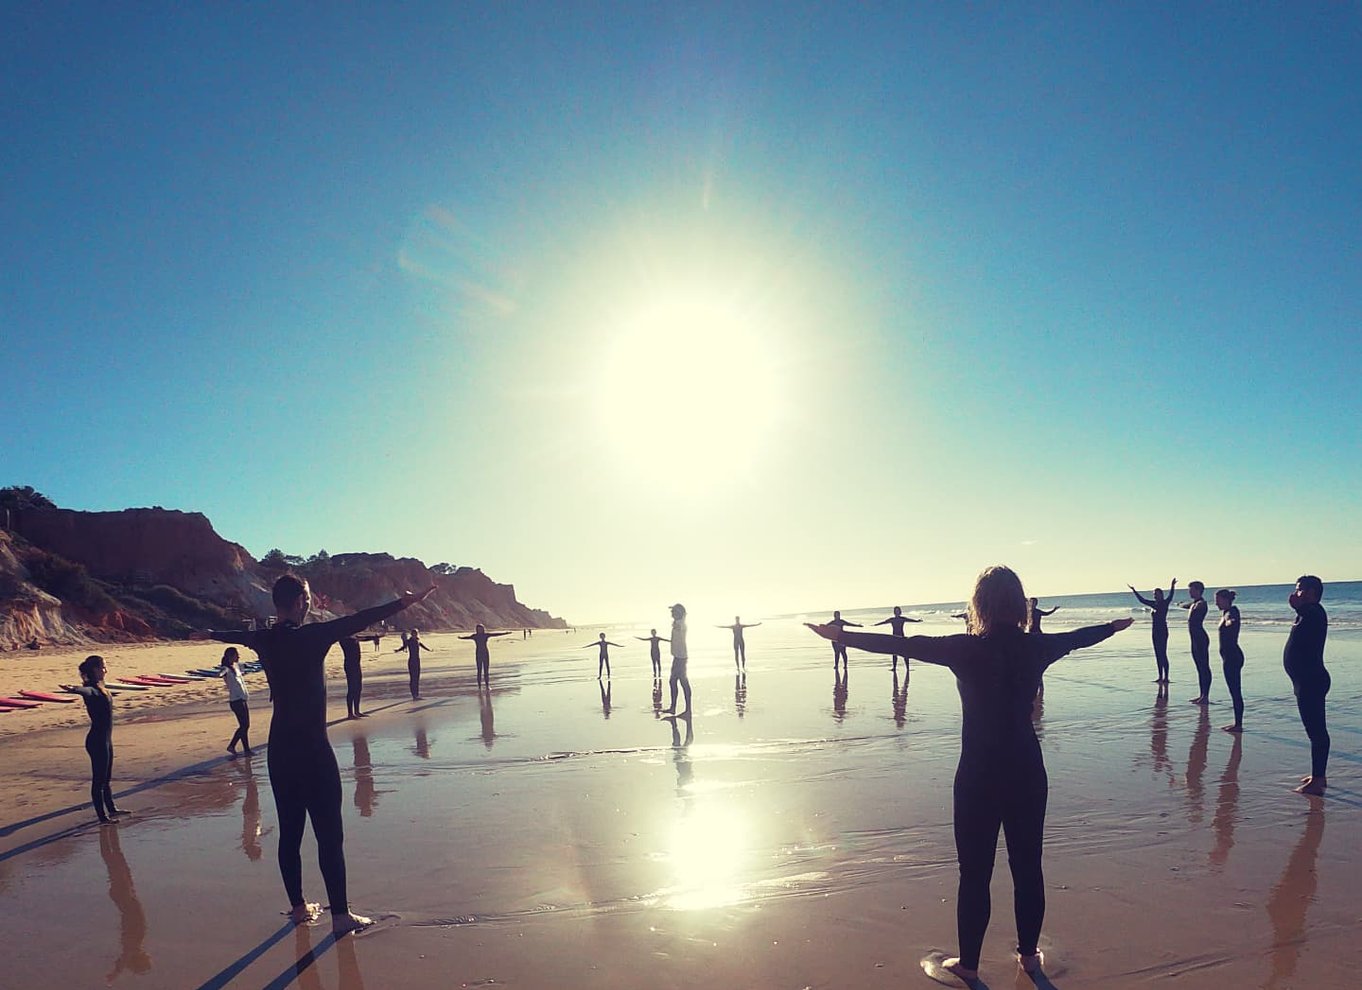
x=692, y=379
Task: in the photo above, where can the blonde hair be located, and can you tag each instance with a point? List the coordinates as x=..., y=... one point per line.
x=998, y=602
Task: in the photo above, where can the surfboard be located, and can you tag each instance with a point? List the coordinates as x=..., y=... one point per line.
x=147, y=682
x=120, y=686
x=172, y=678
x=44, y=696
x=19, y=703
x=205, y=672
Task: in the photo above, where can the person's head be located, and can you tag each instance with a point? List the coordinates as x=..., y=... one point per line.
x=678, y=611
x=898, y=610
x=415, y=634
x=1031, y=602
x=652, y=632
x=91, y=669
x=737, y=620
x=836, y=614
x=998, y=602
x=602, y=636
x=1197, y=590
x=230, y=656
x=1309, y=588
x=1224, y=598
x=292, y=597
x=479, y=628
x=1158, y=594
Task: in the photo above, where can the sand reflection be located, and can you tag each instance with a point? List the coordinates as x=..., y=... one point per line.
x=1291, y=898
x=485, y=716
x=366, y=797
x=840, y=689
x=132, y=922
x=1227, y=805
x=251, y=830
x=1196, y=767
x=740, y=693
x=606, y=687
x=900, y=698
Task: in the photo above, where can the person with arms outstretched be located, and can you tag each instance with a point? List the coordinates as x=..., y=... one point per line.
x=1231, y=656
x=482, y=656
x=654, y=651
x=839, y=651
x=1034, y=613
x=1200, y=641
x=99, y=739
x=680, y=659
x=303, y=772
x=1001, y=780
x=1303, y=659
x=411, y=642
x=897, y=621
x=739, y=644
x=1158, y=609
x=603, y=661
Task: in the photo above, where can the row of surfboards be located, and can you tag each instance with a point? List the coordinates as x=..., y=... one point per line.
x=143, y=682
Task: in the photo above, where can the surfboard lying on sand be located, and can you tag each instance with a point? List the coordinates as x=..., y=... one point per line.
x=168, y=677
x=44, y=696
x=19, y=703
x=148, y=681
x=120, y=686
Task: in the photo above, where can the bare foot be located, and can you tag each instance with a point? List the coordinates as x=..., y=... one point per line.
x=1231, y=728
x=304, y=914
x=1032, y=963
x=1200, y=701
x=344, y=924
x=1313, y=785
x=952, y=965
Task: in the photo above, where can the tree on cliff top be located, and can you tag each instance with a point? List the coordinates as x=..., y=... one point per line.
x=24, y=497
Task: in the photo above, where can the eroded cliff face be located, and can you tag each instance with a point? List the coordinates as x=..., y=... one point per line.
x=27, y=613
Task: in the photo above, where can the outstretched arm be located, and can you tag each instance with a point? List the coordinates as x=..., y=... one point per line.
x=350, y=625
x=618, y=646
x=882, y=622
x=1050, y=612
x=1061, y=644
x=239, y=637
x=944, y=650
x=499, y=634
x=468, y=637
x=1171, y=587
x=906, y=619
x=751, y=625
x=1143, y=600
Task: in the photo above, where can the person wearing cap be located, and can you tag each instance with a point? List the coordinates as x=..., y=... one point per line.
x=679, y=657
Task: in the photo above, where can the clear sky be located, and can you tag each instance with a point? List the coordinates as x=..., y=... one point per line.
x=760, y=307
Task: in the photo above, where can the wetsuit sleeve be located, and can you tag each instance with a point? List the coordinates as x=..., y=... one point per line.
x=1056, y=645
x=241, y=637
x=85, y=691
x=349, y=625
x=945, y=650
x=1145, y=601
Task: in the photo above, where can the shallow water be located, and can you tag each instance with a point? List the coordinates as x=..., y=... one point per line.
x=553, y=833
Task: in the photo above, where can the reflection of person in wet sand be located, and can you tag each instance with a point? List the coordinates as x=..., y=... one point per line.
x=1231, y=656
x=366, y=796
x=1303, y=659
x=841, y=685
x=1001, y=780
x=1227, y=806
x=250, y=817
x=1196, y=767
x=1200, y=641
x=739, y=644
x=482, y=656
x=411, y=642
x=685, y=773
x=132, y=921
x=900, y=698
x=897, y=621
x=489, y=730
x=740, y=693
x=680, y=658
x=603, y=661
x=654, y=651
x=1034, y=613
x=606, y=687
x=303, y=772
x=99, y=739
x=421, y=742
x=839, y=651
x=1158, y=734
x=1292, y=896
x=1158, y=610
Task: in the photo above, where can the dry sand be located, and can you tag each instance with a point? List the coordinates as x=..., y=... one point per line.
x=551, y=834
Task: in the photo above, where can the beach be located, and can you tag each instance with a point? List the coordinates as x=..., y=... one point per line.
x=554, y=832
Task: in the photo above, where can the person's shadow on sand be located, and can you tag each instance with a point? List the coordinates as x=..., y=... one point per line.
x=132, y=921
x=1291, y=898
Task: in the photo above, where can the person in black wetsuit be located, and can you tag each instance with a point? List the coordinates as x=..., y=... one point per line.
x=1303, y=659
x=303, y=772
x=481, y=655
x=839, y=651
x=354, y=676
x=1231, y=656
x=739, y=644
x=1201, y=642
x=99, y=740
x=1034, y=613
x=898, y=620
x=654, y=651
x=411, y=642
x=1001, y=780
x=603, y=661
x=1159, y=610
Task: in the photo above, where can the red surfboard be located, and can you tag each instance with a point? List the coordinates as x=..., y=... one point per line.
x=44, y=696
x=20, y=703
x=147, y=682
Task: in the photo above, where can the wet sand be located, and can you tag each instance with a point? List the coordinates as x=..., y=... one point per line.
x=550, y=834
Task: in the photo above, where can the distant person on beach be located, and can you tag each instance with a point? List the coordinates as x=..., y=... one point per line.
x=302, y=765
x=482, y=657
x=238, y=699
x=1001, y=778
x=1034, y=613
x=680, y=658
x=739, y=644
x=839, y=651
x=1158, y=609
x=1201, y=642
x=898, y=620
x=99, y=740
x=603, y=661
x=654, y=651
x=354, y=676
x=1231, y=656
x=1303, y=659
x=376, y=638
x=411, y=642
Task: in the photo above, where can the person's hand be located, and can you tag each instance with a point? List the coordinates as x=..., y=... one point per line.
x=1123, y=623
x=410, y=598
x=827, y=632
x=1131, y=587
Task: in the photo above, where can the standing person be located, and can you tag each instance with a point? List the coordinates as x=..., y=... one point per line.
x=302, y=766
x=739, y=644
x=654, y=651
x=99, y=740
x=839, y=651
x=481, y=655
x=1303, y=659
x=1231, y=656
x=354, y=676
x=898, y=620
x=1158, y=608
x=1034, y=613
x=1201, y=642
x=238, y=699
x=411, y=642
x=1001, y=780
x=680, y=659
x=603, y=661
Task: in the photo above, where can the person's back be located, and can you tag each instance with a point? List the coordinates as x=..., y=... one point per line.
x=998, y=676
x=294, y=660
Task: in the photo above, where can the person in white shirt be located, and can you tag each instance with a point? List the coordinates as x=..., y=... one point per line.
x=238, y=699
x=679, y=657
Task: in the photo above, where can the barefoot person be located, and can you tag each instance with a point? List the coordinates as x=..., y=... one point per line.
x=680, y=658
x=897, y=621
x=1303, y=659
x=839, y=651
x=99, y=740
x=1159, y=611
x=354, y=675
x=1201, y=642
x=482, y=657
x=411, y=642
x=739, y=644
x=603, y=661
x=1034, y=613
x=302, y=765
x=654, y=651
x=1001, y=777
x=1231, y=656
x=238, y=699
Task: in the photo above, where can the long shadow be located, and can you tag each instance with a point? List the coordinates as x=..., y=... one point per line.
x=233, y=970
x=296, y=970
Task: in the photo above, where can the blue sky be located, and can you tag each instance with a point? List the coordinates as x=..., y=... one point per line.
x=763, y=309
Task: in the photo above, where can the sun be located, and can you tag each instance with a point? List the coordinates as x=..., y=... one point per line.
x=691, y=378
